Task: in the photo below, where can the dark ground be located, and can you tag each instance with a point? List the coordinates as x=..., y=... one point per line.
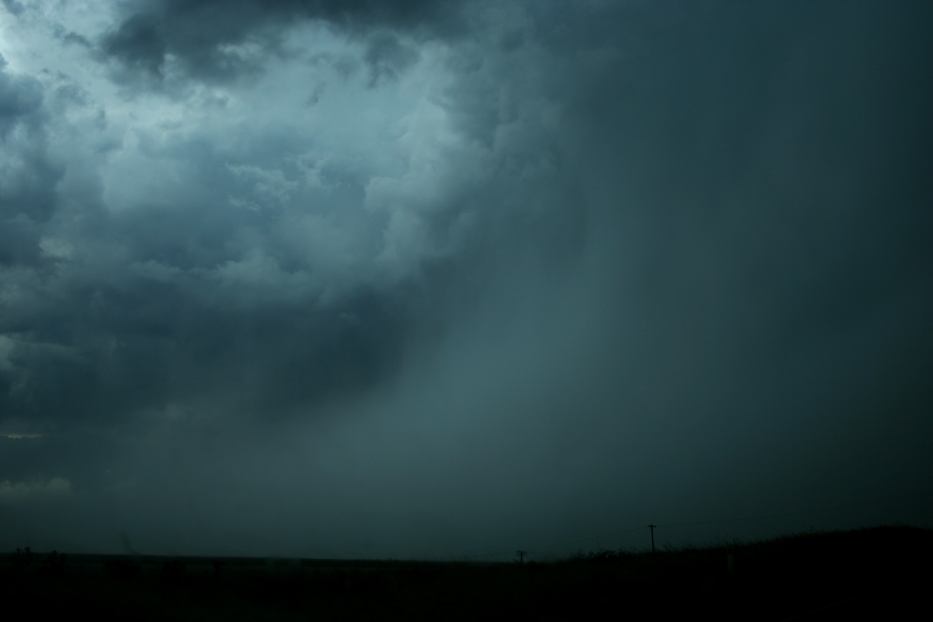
x=882, y=573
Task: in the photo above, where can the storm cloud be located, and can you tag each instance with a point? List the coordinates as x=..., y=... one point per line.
x=444, y=279
x=215, y=39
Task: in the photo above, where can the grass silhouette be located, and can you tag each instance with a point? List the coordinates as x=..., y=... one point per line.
x=882, y=572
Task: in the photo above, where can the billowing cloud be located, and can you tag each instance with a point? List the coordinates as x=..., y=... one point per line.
x=28, y=176
x=214, y=39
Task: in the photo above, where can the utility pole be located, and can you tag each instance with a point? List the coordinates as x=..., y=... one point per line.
x=651, y=531
x=521, y=556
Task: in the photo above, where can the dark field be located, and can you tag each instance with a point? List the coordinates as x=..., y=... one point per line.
x=883, y=573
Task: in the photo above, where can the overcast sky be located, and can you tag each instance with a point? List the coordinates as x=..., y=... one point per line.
x=442, y=279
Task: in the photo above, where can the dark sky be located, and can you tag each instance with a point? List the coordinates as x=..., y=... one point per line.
x=445, y=279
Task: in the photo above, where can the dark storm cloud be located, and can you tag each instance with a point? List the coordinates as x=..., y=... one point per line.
x=27, y=175
x=199, y=34
x=14, y=6
x=112, y=317
x=20, y=99
x=146, y=320
x=798, y=157
x=140, y=345
x=667, y=262
x=768, y=201
x=387, y=57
